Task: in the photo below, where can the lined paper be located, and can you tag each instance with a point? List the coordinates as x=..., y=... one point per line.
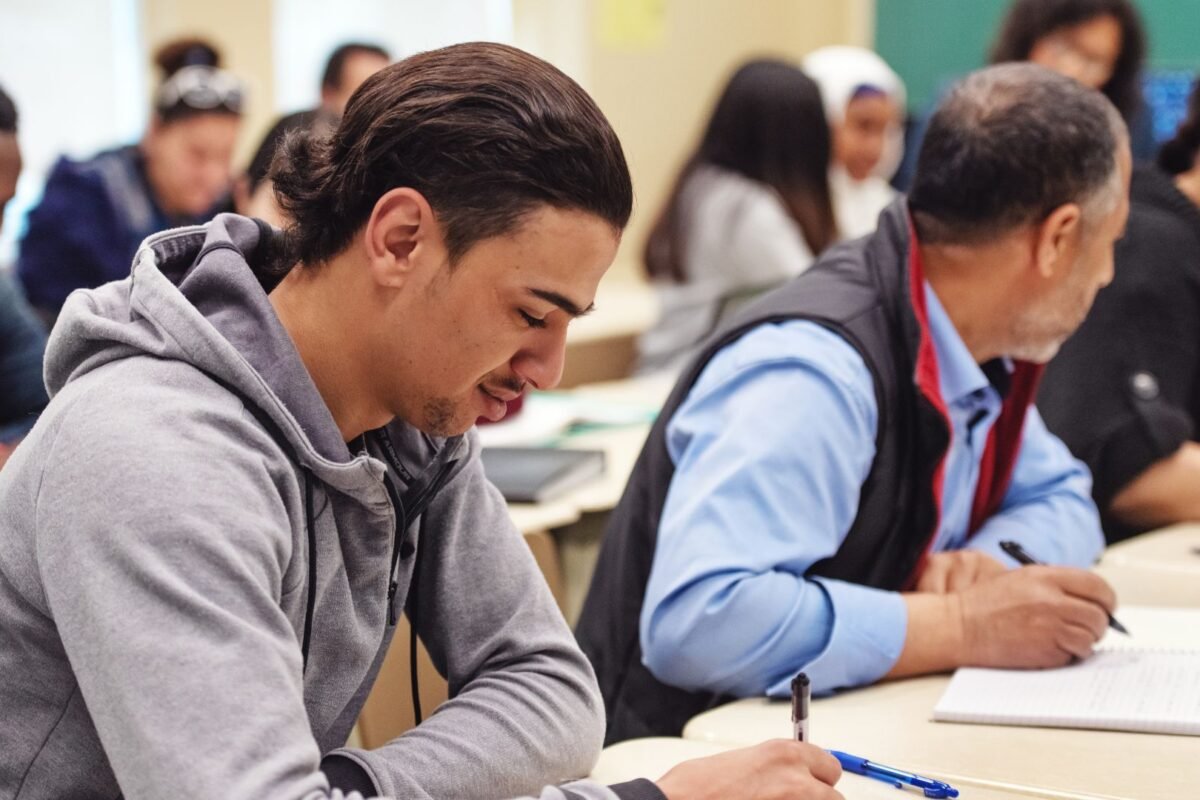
x=1142, y=683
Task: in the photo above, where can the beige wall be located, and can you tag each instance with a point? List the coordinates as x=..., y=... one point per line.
x=658, y=95
x=241, y=29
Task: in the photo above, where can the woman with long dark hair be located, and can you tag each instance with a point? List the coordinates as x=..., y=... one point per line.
x=1099, y=43
x=750, y=209
x=94, y=213
x=1124, y=392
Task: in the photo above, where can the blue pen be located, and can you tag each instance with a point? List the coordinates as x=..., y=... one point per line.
x=896, y=777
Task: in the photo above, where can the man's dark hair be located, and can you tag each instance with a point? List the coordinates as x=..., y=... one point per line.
x=1007, y=146
x=1028, y=21
x=486, y=132
x=8, y=113
x=331, y=78
x=260, y=164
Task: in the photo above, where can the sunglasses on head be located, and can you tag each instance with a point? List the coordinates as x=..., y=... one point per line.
x=201, y=88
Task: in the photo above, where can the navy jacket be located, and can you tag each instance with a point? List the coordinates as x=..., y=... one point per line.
x=88, y=225
x=22, y=347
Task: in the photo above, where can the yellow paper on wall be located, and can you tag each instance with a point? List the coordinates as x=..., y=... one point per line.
x=632, y=23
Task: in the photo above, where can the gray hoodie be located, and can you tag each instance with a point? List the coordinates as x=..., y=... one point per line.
x=199, y=578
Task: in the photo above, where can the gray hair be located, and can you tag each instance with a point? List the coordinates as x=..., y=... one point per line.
x=1007, y=146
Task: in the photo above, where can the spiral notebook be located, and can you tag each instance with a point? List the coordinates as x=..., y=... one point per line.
x=1149, y=683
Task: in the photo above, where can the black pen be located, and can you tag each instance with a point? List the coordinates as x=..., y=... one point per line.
x=1016, y=551
x=800, y=698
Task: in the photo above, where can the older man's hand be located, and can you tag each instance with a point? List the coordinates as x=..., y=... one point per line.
x=957, y=570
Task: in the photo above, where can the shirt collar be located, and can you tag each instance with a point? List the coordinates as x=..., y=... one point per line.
x=958, y=374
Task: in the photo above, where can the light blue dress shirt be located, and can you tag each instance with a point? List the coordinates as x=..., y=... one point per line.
x=771, y=448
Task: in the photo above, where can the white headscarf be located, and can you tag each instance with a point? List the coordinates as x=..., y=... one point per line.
x=840, y=71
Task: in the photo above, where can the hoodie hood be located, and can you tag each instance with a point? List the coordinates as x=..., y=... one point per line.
x=195, y=295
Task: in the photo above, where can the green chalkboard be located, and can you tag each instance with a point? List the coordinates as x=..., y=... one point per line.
x=931, y=42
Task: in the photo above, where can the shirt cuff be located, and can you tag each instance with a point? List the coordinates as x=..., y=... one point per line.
x=640, y=789
x=869, y=626
x=347, y=774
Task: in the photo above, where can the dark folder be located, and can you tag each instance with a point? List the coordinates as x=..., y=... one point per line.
x=539, y=474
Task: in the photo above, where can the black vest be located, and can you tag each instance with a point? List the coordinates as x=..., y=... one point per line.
x=863, y=291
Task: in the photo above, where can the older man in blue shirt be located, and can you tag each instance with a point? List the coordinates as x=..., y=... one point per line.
x=829, y=484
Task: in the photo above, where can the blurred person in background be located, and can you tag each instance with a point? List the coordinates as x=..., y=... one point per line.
x=259, y=454
x=254, y=192
x=348, y=66
x=828, y=485
x=22, y=341
x=1100, y=43
x=94, y=213
x=864, y=103
x=750, y=209
x=1123, y=393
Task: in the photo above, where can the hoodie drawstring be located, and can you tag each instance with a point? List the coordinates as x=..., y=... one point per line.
x=310, y=525
x=413, y=594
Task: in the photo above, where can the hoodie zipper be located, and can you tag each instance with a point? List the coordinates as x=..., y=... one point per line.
x=310, y=525
x=405, y=514
x=401, y=526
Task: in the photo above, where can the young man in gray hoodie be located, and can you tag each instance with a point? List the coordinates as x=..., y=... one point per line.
x=258, y=455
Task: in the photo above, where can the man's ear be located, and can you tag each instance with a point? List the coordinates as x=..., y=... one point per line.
x=1057, y=237
x=401, y=234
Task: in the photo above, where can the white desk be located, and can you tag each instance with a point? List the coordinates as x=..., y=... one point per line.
x=1151, y=586
x=892, y=722
x=621, y=445
x=578, y=516
x=649, y=758
x=536, y=517
x=652, y=758
x=1157, y=568
x=603, y=345
x=623, y=308
x=1175, y=549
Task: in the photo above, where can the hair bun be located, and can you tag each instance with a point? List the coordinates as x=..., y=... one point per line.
x=300, y=166
x=188, y=52
x=302, y=174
